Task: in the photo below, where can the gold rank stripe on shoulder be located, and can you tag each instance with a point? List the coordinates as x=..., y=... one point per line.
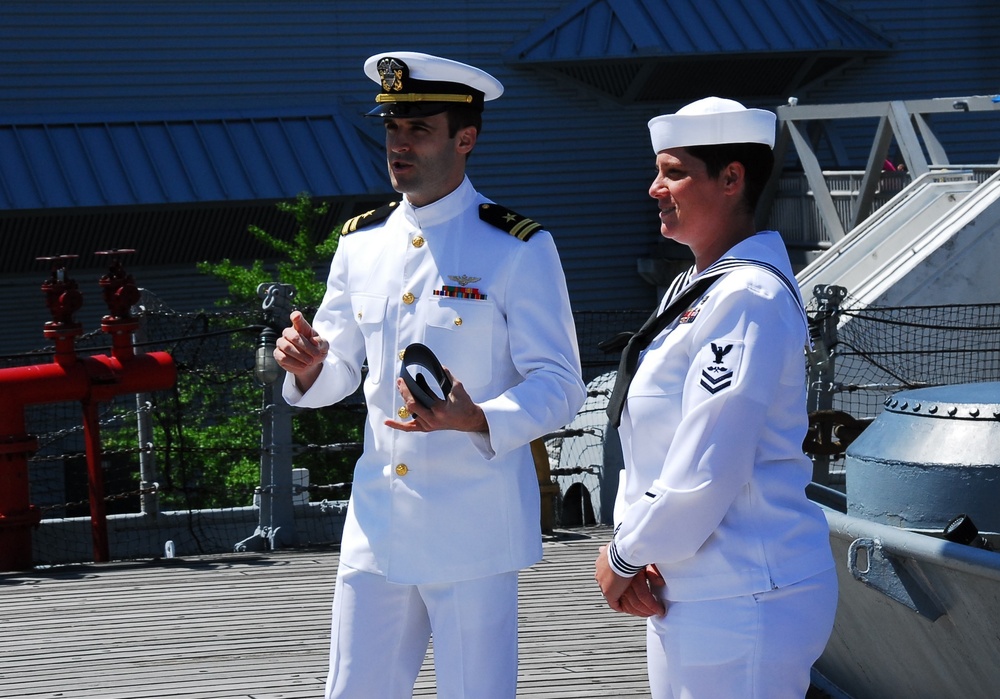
x=369, y=218
x=506, y=220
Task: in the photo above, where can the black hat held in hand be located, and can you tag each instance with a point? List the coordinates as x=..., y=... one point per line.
x=423, y=375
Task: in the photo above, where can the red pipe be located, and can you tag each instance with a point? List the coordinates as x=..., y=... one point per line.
x=89, y=380
x=69, y=377
x=95, y=482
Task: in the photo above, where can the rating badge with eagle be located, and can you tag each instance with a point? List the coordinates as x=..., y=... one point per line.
x=719, y=362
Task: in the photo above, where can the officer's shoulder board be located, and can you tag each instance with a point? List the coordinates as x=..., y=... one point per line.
x=509, y=221
x=369, y=218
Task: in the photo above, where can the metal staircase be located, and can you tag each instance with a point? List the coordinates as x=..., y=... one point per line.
x=936, y=241
x=891, y=245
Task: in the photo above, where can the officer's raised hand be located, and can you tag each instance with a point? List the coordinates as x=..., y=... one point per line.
x=455, y=412
x=300, y=351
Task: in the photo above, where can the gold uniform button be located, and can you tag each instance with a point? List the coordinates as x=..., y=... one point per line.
x=408, y=298
x=403, y=413
x=401, y=469
x=418, y=242
x=458, y=321
x=402, y=353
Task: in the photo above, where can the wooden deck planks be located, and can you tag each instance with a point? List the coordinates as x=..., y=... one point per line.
x=257, y=627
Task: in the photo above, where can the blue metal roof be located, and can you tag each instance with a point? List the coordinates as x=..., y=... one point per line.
x=189, y=160
x=659, y=50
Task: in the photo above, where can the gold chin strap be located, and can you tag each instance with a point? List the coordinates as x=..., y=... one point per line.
x=467, y=99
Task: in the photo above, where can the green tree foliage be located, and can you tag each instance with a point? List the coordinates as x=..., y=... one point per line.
x=220, y=445
x=299, y=258
x=212, y=457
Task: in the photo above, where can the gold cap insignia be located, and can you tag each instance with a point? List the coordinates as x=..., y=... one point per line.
x=392, y=71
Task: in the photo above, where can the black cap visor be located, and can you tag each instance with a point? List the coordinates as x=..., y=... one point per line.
x=408, y=110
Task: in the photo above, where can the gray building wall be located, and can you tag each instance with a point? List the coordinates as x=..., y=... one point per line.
x=939, y=50
x=573, y=159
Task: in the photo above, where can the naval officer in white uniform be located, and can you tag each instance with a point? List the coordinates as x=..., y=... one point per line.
x=445, y=503
x=715, y=541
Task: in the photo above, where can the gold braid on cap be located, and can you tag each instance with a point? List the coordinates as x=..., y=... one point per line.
x=412, y=97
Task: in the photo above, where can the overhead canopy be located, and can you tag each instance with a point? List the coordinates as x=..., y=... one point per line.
x=670, y=50
x=119, y=162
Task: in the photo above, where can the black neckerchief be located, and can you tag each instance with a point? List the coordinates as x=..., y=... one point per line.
x=658, y=321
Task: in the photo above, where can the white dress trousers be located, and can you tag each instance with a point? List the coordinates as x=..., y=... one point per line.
x=758, y=646
x=379, y=641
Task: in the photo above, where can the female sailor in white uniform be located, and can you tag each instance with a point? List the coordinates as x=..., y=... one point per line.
x=716, y=542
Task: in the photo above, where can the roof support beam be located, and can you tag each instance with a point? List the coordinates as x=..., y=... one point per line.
x=814, y=175
x=935, y=150
x=905, y=120
x=906, y=138
x=873, y=172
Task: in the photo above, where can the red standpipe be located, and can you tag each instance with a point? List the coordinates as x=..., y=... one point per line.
x=69, y=377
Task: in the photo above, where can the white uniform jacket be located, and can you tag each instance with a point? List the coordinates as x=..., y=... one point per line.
x=712, y=436
x=448, y=506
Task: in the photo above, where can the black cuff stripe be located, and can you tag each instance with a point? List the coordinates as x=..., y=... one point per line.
x=621, y=564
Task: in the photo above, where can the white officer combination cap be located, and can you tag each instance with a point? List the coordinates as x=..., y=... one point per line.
x=712, y=121
x=418, y=84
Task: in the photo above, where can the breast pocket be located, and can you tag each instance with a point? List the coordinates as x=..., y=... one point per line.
x=460, y=332
x=369, y=313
